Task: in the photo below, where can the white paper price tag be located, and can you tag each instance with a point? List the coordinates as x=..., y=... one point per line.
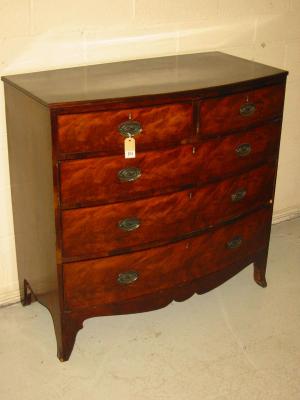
x=129, y=147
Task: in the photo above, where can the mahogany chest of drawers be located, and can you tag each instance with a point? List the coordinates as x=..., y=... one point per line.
x=101, y=234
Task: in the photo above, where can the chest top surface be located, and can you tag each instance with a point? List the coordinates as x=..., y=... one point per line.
x=187, y=73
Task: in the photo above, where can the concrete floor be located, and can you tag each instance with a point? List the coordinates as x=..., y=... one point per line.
x=237, y=342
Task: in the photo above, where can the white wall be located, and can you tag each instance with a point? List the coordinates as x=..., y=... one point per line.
x=46, y=34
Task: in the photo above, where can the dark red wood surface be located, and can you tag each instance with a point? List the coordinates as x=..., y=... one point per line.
x=223, y=114
x=90, y=132
x=185, y=73
x=88, y=283
x=198, y=130
x=73, y=320
x=95, y=180
x=91, y=232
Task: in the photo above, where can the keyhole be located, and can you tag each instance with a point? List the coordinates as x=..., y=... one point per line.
x=190, y=195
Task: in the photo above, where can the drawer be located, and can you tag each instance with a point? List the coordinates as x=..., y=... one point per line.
x=119, y=278
x=237, y=111
x=100, y=131
x=122, y=227
x=97, y=180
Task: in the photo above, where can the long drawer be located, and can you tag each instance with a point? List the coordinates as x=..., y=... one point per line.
x=223, y=114
x=115, y=228
x=110, y=179
x=104, y=131
x=118, y=278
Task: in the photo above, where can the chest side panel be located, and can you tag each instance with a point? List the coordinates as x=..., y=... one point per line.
x=33, y=197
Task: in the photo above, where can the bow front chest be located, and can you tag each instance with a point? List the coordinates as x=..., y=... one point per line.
x=141, y=182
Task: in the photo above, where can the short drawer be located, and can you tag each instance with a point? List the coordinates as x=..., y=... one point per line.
x=232, y=112
x=116, y=279
x=109, y=179
x=116, y=228
x=105, y=131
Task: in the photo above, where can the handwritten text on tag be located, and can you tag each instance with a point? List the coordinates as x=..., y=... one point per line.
x=129, y=147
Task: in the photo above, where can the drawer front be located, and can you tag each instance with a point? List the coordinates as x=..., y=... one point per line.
x=236, y=111
x=116, y=228
x=118, y=278
x=99, y=180
x=235, y=153
x=101, y=131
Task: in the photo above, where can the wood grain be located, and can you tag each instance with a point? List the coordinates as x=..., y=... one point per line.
x=95, y=232
x=95, y=180
x=89, y=132
x=222, y=114
x=197, y=74
x=34, y=202
x=68, y=200
x=88, y=283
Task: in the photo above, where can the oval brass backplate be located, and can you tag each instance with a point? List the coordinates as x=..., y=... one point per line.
x=235, y=242
x=129, y=174
x=130, y=128
x=129, y=224
x=243, y=149
x=247, y=109
x=238, y=195
x=125, y=278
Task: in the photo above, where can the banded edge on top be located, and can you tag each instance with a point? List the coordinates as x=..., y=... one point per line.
x=189, y=75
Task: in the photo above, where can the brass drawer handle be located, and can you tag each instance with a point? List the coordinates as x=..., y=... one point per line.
x=129, y=174
x=243, y=149
x=130, y=128
x=247, y=109
x=238, y=195
x=235, y=242
x=129, y=224
x=125, y=278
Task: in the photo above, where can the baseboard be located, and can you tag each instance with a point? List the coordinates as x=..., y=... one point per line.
x=9, y=297
x=285, y=214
